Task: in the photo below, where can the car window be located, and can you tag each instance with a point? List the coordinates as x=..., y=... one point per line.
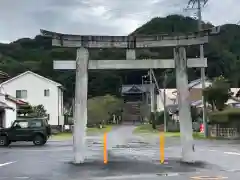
x=46, y=122
x=20, y=124
x=35, y=124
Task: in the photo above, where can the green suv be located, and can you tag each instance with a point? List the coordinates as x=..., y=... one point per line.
x=34, y=129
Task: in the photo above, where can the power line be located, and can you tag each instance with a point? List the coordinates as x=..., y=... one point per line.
x=194, y=2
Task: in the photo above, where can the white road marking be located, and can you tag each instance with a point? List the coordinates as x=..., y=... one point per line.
x=139, y=176
x=233, y=170
x=22, y=177
x=7, y=163
x=14, y=177
x=232, y=153
x=212, y=150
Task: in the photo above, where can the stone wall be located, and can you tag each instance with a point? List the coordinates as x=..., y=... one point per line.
x=218, y=131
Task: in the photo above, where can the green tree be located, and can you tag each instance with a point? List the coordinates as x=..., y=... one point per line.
x=39, y=111
x=218, y=93
x=101, y=108
x=194, y=113
x=24, y=109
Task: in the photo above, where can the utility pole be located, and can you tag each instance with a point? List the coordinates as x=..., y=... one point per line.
x=164, y=101
x=202, y=69
x=152, y=94
x=142, y=88
x=199, y=14
x=151, y=91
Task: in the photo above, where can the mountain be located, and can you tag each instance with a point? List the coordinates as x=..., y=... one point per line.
x=223, y=52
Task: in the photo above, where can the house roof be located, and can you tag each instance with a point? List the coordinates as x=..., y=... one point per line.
x=15, y=100
x=173, y=108
x=196, y=103
x=132, y=88
x=194, y=83
x=30, y=72
x=5, y=106
x=3, y=74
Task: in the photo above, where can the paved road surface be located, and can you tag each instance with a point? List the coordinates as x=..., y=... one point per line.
x=137, y=159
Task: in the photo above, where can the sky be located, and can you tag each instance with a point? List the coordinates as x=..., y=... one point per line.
x=24, y=18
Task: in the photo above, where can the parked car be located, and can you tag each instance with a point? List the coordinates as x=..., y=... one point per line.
x=36, y=130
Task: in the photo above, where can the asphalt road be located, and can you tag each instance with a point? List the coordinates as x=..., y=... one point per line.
x=138, y=158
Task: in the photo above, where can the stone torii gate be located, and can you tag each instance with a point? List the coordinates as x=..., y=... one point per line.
x=130, y=43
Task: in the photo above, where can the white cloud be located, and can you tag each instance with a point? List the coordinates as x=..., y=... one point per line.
x=24, y=18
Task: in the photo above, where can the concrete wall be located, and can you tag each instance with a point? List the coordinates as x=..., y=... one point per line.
x=195, y=94
x=10, y=115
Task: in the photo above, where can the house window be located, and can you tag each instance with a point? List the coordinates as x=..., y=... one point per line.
x=46, y=92
x=21, y=94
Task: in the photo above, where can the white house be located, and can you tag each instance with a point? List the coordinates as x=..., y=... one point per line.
x=36, y=90
x=7, y=110
x=195, y=89
x=170, y=98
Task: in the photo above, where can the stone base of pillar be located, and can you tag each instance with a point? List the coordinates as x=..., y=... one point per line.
x=188, y=152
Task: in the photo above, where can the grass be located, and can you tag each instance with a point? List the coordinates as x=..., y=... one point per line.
x=65, y=136
x=147, y=129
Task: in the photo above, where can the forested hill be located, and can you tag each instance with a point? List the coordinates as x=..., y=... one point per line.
x=37, y=55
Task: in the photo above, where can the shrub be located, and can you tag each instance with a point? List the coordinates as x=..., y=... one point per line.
x=194, y=113
x=218, y=93
x=225, y=116
x=145, y=111
x=160, y=117
x=101, y=108
x=24, y=109
x=32, y=111
x=39, y=111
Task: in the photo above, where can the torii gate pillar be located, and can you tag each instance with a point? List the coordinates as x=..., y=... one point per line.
x=183, y=105
x=131, y=54
x=80, y=106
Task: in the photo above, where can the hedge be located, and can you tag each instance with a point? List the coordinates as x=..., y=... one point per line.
x=160, y=117
x=224, y=116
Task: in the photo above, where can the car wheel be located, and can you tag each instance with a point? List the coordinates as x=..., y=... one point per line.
x=44, y=142
x=4, y=141
x=38, y=140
